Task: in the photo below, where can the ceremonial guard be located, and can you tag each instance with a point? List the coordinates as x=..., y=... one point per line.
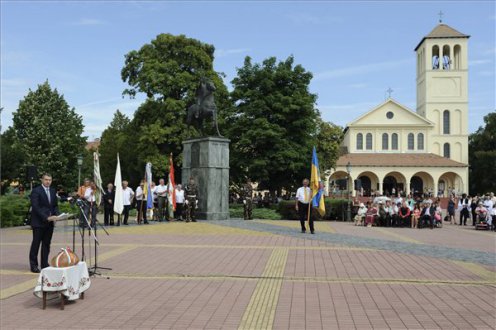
x=108, y=204
x=191, y=199
x=247, y=194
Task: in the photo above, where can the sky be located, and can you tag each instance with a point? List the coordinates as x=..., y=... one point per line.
x=356, y=50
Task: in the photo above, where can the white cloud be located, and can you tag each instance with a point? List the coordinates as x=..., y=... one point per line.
x=358, y=70
x=89, y=22
x=227, y=52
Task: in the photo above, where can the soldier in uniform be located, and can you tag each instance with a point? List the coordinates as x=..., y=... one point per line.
x=247, y=200
x=191, y=197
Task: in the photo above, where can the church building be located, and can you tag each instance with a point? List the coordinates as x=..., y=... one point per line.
x=392, y=148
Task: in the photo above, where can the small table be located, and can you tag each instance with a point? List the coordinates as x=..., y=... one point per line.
x=66, y=282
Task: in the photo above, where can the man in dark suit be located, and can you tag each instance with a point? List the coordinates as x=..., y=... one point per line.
x=427, y=215
x=108, y=203
x=43, y=211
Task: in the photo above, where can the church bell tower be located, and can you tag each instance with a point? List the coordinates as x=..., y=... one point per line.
x=442, y=90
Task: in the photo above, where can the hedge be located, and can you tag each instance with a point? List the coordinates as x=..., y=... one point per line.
x=13, y=210
x=258, y=213
x=335, y=210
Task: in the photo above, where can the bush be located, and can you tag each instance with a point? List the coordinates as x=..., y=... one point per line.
x=335, y=209
x=262, y=213
x=13, y=210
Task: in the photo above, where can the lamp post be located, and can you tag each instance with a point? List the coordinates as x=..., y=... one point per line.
x=79, y=163
x=348, y=211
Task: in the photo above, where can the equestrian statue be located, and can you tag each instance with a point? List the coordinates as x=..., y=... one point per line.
x=204, y=107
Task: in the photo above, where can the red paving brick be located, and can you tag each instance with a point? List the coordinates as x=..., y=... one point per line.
x=200, y=279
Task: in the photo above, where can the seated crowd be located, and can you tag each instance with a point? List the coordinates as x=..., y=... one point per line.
x=400, y=212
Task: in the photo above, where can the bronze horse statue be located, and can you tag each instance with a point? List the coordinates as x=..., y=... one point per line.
x=204, y=107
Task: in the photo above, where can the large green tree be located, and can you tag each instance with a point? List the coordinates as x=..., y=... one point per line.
x=274, y=125
x=168, y=71
x=482, y=157
x=49, y=133
x=12, y=157
x=115, y=140
x=328, y=140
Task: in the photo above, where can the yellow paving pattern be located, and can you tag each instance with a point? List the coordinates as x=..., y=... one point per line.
x=320, y=226
x=306, y=279
x=261, y=309
x=182, y=228
x=478, y=270
x=215, y=246
x=18, y=288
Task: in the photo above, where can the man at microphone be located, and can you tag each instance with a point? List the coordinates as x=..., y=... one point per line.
x=44, y=209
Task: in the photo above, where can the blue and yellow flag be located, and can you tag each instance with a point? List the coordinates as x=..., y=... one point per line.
x=316, y=185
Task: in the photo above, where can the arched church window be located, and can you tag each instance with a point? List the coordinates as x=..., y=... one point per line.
x=446, y=122
x=394, y=141
x=447, y=150
x=457, y=60
x=411, y=141
x=359, y=141
x=368, y=141
x=385, y=141
x=446, y=57
x=435, y=57
x=420, y=141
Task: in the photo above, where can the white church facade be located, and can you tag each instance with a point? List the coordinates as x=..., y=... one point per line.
x=393, y=148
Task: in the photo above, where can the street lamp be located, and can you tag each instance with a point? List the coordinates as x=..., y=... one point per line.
x=348, y=211
x=79, y=163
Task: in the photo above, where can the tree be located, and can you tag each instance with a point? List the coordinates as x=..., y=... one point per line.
x=168, y=70
x=273, y=127
x=12, y=158
x=49, y=133
x=482, y=156
x=115, y=140
x=329, y=137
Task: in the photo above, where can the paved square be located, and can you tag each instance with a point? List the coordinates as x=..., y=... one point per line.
x=265, y=275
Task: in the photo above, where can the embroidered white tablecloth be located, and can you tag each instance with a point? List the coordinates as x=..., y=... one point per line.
x=72, y=281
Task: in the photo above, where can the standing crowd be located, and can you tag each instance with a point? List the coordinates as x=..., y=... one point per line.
x=163, y=208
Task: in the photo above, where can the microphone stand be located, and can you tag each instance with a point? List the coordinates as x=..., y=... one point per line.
x=94, y=269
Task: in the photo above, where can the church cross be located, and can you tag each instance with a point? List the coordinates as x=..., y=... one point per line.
x=440, y=16
x=389, y=91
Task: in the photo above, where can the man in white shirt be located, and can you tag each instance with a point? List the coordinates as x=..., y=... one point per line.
x=303, y=199
x=141, y=203
x=127, y=197
x=161, y=192
x=179, y=202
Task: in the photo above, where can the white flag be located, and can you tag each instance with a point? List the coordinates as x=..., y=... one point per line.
x=97, y=178
x=119, y=197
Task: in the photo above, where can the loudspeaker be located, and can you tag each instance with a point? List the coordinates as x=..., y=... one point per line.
x=358, y=184
x=31, y=173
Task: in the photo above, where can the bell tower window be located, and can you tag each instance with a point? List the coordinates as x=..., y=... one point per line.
x=457, y=53
x=446, y=58
x=446, y=150
x=435, y=57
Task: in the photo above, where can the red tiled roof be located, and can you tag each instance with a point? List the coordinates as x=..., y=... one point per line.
x=443, y=31
x=92, y=145
x=397, y=159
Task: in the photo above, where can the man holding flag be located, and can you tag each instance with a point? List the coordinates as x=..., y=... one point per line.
x=313, y=194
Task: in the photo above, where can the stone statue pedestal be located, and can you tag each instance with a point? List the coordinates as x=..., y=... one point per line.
x=206, y=159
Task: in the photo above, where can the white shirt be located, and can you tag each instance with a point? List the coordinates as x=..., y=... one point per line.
x=161, y=190
x=180, y=196
x=489, y=204
x=154, y=195
x=88, y=195
x=127, y=196
x=300, y=195
x=139, y=193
